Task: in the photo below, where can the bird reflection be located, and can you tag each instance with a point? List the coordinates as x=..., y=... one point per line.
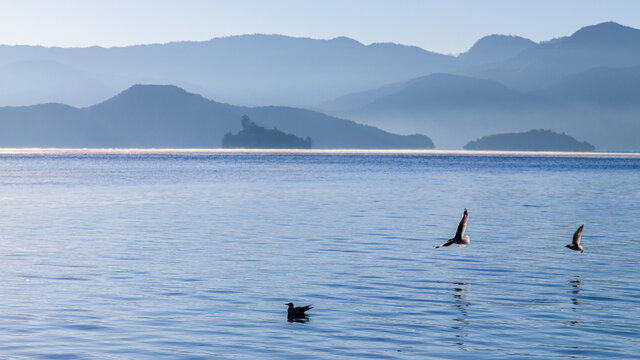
x=576, y=290
x=576, y=284
x=304, y=319
x=576, y=302
x=462, y=320
x=575, y=323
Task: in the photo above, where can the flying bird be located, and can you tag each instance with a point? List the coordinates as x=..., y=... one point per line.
x=458, y=238
x=298, y=311
x=575, y=245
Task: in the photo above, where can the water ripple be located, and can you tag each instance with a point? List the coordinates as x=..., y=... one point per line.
x=192, y=255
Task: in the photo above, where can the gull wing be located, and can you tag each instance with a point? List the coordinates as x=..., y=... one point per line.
x=298, y=311
x=302, y=309
x=462, y=226
x=448, y=243
x=577, y=235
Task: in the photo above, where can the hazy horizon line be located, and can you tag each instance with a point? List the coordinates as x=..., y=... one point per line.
x=49, y=46
x=337, y=151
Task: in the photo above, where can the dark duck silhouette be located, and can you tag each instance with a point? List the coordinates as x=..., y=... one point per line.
x=458, y=238
x=575, y=245
x=297, y=312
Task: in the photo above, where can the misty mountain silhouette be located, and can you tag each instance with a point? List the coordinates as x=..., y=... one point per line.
x=534, y=140
x=599, y=87
x=585, y=84
x=275, y=69
x=435, y=92
x=494, y=48
x=604, y=45
x=446, y=91
x=167, y=116
x=600, y=104
x=604, y=34
x=247, y=69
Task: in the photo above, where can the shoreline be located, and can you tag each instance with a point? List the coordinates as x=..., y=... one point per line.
x=221, y=151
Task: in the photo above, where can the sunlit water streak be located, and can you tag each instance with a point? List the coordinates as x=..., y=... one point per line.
x=192, y=254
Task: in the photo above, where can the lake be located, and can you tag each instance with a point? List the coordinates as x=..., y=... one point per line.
x=141, y=254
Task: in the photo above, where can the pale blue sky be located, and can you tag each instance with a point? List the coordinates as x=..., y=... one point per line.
x=447, y=26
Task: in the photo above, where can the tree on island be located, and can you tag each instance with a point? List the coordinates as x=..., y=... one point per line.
x=245, y=122
x=257, y=137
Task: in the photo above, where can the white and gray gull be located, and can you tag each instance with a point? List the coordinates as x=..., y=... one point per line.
x=458, y=238
x=575, y=245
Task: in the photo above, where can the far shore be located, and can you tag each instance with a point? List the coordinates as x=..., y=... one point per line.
x=221, y=151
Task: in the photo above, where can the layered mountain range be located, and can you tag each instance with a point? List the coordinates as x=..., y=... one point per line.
x=165, y=116
x=586, y=84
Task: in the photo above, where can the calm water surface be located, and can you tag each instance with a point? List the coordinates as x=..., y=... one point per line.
x=192, y=256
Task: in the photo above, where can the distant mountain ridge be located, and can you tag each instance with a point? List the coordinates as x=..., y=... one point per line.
x=599, y=87
x=586, y=83
x=167, y=116
x=495, y=48
x=607, y=33
x=560, y=84
x=603, y=45
x=264, y=69
x=601, y=105
x=443, y=91
x=247, y=69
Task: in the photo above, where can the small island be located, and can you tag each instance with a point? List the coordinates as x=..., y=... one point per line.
x=534, y=140
x=253, y=136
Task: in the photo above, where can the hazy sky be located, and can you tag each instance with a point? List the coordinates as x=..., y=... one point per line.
x=446, y=26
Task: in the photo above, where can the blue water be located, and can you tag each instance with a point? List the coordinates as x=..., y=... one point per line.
x=182, y=255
